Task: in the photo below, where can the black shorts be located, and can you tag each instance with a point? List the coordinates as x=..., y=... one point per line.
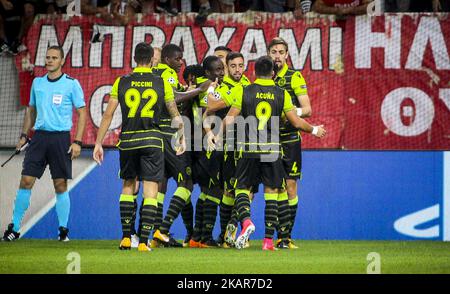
x=251, y=171
x=147, y=164
x=207, y=169
x=176, y=166
x=48, y=148
x=292, y=159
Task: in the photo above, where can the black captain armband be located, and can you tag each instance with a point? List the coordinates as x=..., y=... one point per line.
x=79, y=143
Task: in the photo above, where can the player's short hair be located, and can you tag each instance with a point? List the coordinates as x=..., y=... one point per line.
x=170, y=50
x=278, y=41
x=143, y=53
x=209, y=60
x=222, y=48
x=58, y=48
x=233, y=55
x=264, y=66
x=193, y=69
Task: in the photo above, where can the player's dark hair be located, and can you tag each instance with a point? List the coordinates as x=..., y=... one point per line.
x=209, y=60
x=169, y=51
x=222, y=48
x=193, y=69
x=233, y=55
x=143, y=53
x=59, y=48
x=264, y=66
x=277, y=41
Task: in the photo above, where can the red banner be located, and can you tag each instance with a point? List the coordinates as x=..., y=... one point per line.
x=374, y=82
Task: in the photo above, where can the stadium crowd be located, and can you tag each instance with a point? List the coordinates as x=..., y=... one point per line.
x=16, y=16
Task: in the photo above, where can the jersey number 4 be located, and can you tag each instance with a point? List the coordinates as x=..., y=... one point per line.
x=133, y=101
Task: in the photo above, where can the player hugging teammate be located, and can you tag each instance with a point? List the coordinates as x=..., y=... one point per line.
x=231, y=136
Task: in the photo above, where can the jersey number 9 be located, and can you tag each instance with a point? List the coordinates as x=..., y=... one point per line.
x=263, y=113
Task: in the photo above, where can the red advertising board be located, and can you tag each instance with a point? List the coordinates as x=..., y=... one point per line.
x=374, y=82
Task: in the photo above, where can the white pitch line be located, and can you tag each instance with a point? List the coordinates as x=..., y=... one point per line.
x=44, y=210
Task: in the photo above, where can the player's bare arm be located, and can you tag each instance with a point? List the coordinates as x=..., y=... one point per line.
x=303, y=125
x=177, y=122
x=305, y=103
x=188, y=95
x=104, y=125
x=227, y=121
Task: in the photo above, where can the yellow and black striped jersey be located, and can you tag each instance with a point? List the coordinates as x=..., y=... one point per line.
x=295, y=84
x=142, y=97
x=262, y=104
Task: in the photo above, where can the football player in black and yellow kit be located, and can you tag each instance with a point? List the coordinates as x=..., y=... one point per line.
x=235, y=77
x=208, y=165
x=261, y=105
x=177, y=167
x=295, y=84
x=142, y=97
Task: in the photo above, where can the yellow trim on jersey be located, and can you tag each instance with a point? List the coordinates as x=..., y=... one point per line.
x=264, y=82
x=283, y=71
x=298, y=83
x=169, y=96
x=288, y=105
x=290, y=141
x=139, y=147
x=141, y=139
x=146, y=131
x=245, y=81
x=141, y=69
x=237, y=93
x=168, y=74
x=115, y=89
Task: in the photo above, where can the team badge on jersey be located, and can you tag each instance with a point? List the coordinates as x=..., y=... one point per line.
x=281, y=82
x=217, y=96
x=171, y=80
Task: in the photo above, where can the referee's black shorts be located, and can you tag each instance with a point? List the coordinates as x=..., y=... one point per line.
x=48, y=148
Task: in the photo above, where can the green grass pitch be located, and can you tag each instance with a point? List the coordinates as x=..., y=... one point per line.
x=48, y=256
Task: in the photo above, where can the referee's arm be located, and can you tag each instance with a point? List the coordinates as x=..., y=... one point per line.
x=81, y=124
x=28, y=122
